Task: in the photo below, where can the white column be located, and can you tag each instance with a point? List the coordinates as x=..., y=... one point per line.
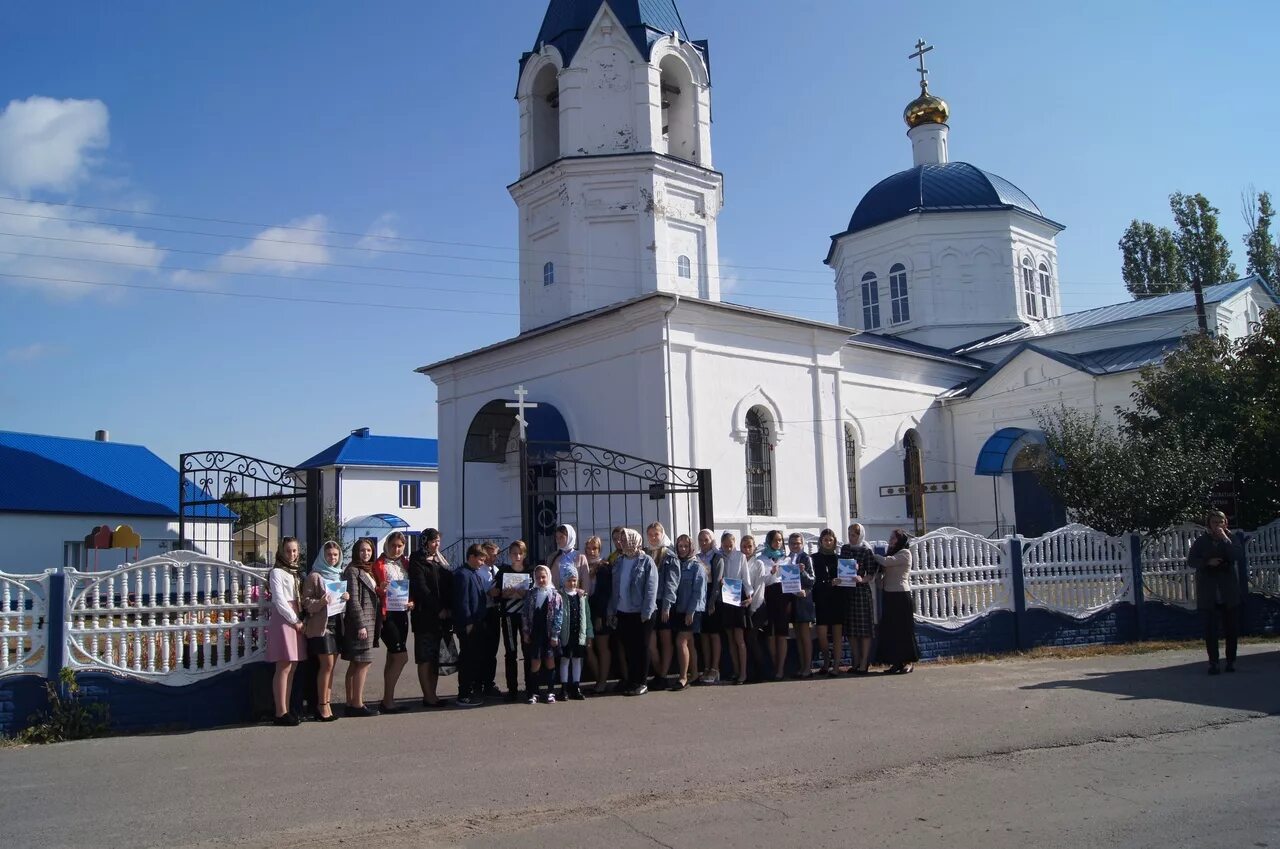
x=928, y=144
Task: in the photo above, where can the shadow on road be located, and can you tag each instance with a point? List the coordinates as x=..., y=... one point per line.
x=1255, y=686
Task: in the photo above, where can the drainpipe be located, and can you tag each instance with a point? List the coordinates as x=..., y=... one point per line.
x=666, y=334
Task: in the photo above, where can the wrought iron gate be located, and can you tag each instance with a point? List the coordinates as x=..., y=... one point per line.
x=234, y=507
x=597, y=489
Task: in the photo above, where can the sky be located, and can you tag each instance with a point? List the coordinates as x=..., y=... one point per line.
x=151, y=153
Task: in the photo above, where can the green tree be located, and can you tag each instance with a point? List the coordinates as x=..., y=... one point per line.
x=1203, y=251
x=1262, y=251
x=250, y=512
x=1150, y=260
x=1117, y=481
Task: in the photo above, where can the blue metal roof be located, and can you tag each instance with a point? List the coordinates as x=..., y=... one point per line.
x=946, y=187
x=1174, y=302
x=56, y=474
x=897, y=343
x=995, y=451
x=565, y=24
x=362, y=448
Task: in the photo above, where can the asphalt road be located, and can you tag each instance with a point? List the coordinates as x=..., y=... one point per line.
x=1129, y=751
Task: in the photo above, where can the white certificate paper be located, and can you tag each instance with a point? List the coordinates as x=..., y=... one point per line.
x=335, y=589
x=731, y=592
x=847, y=573
x=517, y=580
x=398, y=595
x=790, y=578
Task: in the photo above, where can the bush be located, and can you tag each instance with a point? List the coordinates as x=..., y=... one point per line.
x=69, y=716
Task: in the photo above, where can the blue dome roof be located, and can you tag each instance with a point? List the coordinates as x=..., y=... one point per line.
x=948, y=187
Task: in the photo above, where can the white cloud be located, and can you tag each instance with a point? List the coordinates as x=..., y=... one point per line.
x=50, y=144
x=52, y=251
x=381, y=234
x=730, y=280
x=29, y=353
x=281, y=250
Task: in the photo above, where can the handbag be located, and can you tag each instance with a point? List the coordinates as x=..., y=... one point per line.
x=448, y=654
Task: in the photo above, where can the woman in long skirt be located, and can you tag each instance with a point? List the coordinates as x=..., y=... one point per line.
x=897, y=646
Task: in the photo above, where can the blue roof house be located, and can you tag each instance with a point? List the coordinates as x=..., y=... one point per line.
x=373, y=484
x=54, y=490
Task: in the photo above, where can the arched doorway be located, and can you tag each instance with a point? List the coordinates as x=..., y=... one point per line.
x=1035, y=510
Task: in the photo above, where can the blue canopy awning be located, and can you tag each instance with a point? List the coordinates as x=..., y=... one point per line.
x=994, y=456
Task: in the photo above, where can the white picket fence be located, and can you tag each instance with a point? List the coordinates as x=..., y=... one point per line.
x=23, y=606
x=957, y=577
x=1165, y=574
x=174, y=618
x=1077, y=570
x=1263, y=554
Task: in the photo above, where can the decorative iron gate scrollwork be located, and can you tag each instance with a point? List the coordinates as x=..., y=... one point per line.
x=596, y=489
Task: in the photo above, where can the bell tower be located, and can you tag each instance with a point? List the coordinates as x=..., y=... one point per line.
x=617, y=196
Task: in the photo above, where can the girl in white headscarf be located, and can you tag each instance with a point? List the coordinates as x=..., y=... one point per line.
x=632, y=608
x=661, y=644
x=567, y=555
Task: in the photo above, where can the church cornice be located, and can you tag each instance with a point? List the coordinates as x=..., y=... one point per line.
x=675, y=164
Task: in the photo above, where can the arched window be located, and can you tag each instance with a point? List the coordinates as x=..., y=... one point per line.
x=548, y=274
x=683, y=269
x=1029, y=288
x=679, y=123
x=870, y=302
x=544, y=117
x=851, y=469
x=913, y=475
x=899, y=302
x=1046, y=290
x=759, y=464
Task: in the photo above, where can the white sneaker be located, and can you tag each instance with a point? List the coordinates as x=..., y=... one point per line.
x=551, y=698
x=533, y=700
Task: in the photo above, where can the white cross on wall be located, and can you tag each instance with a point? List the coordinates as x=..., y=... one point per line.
x=520, y=405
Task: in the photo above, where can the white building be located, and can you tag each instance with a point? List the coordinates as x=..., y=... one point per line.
x=54, y=491
x=949, y=333
x=372, y=484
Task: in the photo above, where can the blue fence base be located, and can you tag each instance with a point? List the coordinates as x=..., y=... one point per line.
x=1116, y=624
x=20, y=697
x=991, y=634
x=226, y=699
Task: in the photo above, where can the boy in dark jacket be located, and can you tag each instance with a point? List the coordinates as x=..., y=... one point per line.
x=469, y=607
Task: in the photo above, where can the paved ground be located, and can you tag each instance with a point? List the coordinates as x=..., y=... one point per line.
x=1121, y=751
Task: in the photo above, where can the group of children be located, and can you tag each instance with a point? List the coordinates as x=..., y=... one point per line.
x=649, y=603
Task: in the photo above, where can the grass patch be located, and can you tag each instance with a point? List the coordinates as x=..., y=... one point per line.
x=1076, y=652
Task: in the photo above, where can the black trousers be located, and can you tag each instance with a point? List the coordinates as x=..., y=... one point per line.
x=511, y=639
x=634, y=636
x=493, y=638
x=471, y=661
x=1230, y=629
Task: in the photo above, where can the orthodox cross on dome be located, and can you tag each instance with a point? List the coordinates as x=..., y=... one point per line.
x=520, y=405
x=921, y=49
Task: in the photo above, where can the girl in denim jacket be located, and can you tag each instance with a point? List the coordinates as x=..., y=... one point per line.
x=690, y=603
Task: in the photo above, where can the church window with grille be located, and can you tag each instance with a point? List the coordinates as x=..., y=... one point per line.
x=851, y=469
x=548, y=274
x=899, y=300
x=759, y=464
x=1046, y=290
x=1029, y=288
x=683, y=268
x=870, y=302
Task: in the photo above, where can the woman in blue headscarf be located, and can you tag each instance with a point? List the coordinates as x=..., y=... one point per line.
x=322, y=630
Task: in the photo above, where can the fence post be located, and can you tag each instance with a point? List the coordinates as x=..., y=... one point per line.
x=1019, y=590
x=1139, y=595
x=1240, y=540
x=56, y=627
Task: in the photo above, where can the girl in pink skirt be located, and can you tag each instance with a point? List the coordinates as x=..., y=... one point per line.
x=285, y=644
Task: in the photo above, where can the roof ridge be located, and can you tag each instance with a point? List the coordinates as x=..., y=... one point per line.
x=74, y=439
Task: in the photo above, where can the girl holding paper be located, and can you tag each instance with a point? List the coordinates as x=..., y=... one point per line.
x=690, y=604
x=757, y=612
x=803, y=613
x=360, y=625
x=712, y=616
x=541, y=619
x=319, y=597
x=391, y=571
x=777, y=603
x=285, y=646
x=859, y=598
x=898, y=646
x=827, y=603
x=513, y=592
x=735, y=596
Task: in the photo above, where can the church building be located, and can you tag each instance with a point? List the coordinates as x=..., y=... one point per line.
x=656, y=398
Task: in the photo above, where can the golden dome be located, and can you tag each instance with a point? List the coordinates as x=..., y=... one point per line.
x=926, y=109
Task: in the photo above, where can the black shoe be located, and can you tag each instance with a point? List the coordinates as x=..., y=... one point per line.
x=511, y=697
x=332, y=717
x=363, y=710
x=469, y=702
x=1231, y=666
x=658, y=682
x=1213, y=668
x=491, y=691
x=679, y=685
x=576, y=693
x=288, y=720
x=438, y=703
